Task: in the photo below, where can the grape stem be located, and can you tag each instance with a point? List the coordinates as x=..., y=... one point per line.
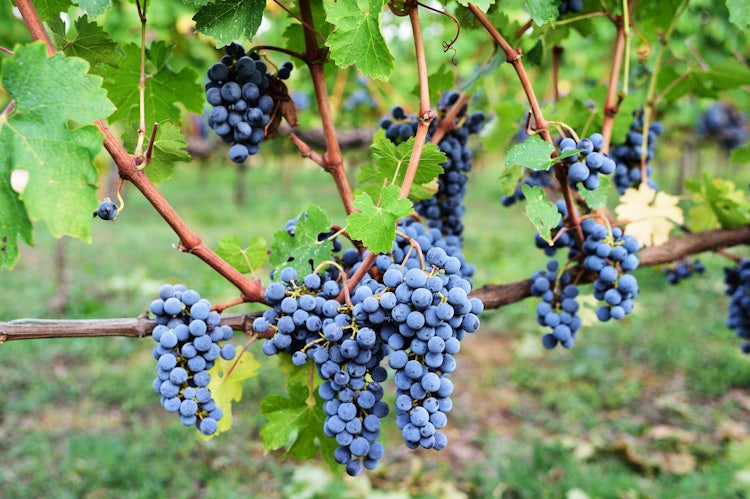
x=6, y=50
x=307, y=26
x=332, y=160
x=613, y=99
x=142, y=79
x=447, y=122
x=425, y=112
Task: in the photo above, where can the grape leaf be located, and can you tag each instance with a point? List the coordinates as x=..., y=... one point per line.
x=533, y=153
x=739, y=13
x=543, y=11
x=542, y=214
x=391, y=162
x=169, y=146
x=94, y=8
x=303, y=248
x=510, y=178
x=88, y=41
x=296, y=422
x=729, y=205
x=375, y=225
x=649, y=216
x=226, y=385
x=597, y=198
x=357, y=38
x=164, y=87
x=243, y=259
x=229, y=20
x=48, y=9
x=14, y=222
x=41, y=136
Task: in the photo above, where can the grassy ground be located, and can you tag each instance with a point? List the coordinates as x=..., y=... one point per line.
x=655, y=406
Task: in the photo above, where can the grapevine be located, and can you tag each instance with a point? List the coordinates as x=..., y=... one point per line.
x=379, y=295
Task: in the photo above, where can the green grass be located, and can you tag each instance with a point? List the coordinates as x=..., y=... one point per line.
x=617, y=416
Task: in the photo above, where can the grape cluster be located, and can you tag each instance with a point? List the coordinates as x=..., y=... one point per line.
x=725, y=124
x=611, y=254
x=737, y=280
x=607, y=252
x=570, y=6
x=413, y=309
x=241, y=93
x=430, y=313
x=107, y=210
x=188, y=336
x=627, y=155
x=586, y=166
x=445, y=209
x=559, y=307
x=682, y=269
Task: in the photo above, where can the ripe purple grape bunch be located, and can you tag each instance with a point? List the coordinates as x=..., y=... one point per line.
x=737, y=280
x=559, y=307
x=415, y=311
x=240, y=93
x=586, y=166
x=612, y=255
x=188, y=337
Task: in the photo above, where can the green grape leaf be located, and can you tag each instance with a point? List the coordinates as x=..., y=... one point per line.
x=598, y=197
x=391, y=163
x=229, y=20
x=94, y=8
x=303, y=248
x=245, y=259
x=739, y=13
x=169, y=146
x=295, y=422
x=542, y=214
x=510, y=178
x=89, y=41
x=164, y=87
x=543, y=11
x=730, y=205
x=226, y=385
x=375, y=225
x=42, y=137
x=357, y=38
x=48, y=9
x=533, y=153
x=14, y=222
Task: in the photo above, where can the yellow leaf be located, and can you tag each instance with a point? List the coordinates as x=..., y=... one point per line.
x=649, y=216
x=226, y=385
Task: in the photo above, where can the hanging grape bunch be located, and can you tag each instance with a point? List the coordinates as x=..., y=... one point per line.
x=247, y=101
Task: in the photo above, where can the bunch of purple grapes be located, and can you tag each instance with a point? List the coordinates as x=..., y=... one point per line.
x=737, y=280
x=240, y=91
x=413, y=309
x=188, y=336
